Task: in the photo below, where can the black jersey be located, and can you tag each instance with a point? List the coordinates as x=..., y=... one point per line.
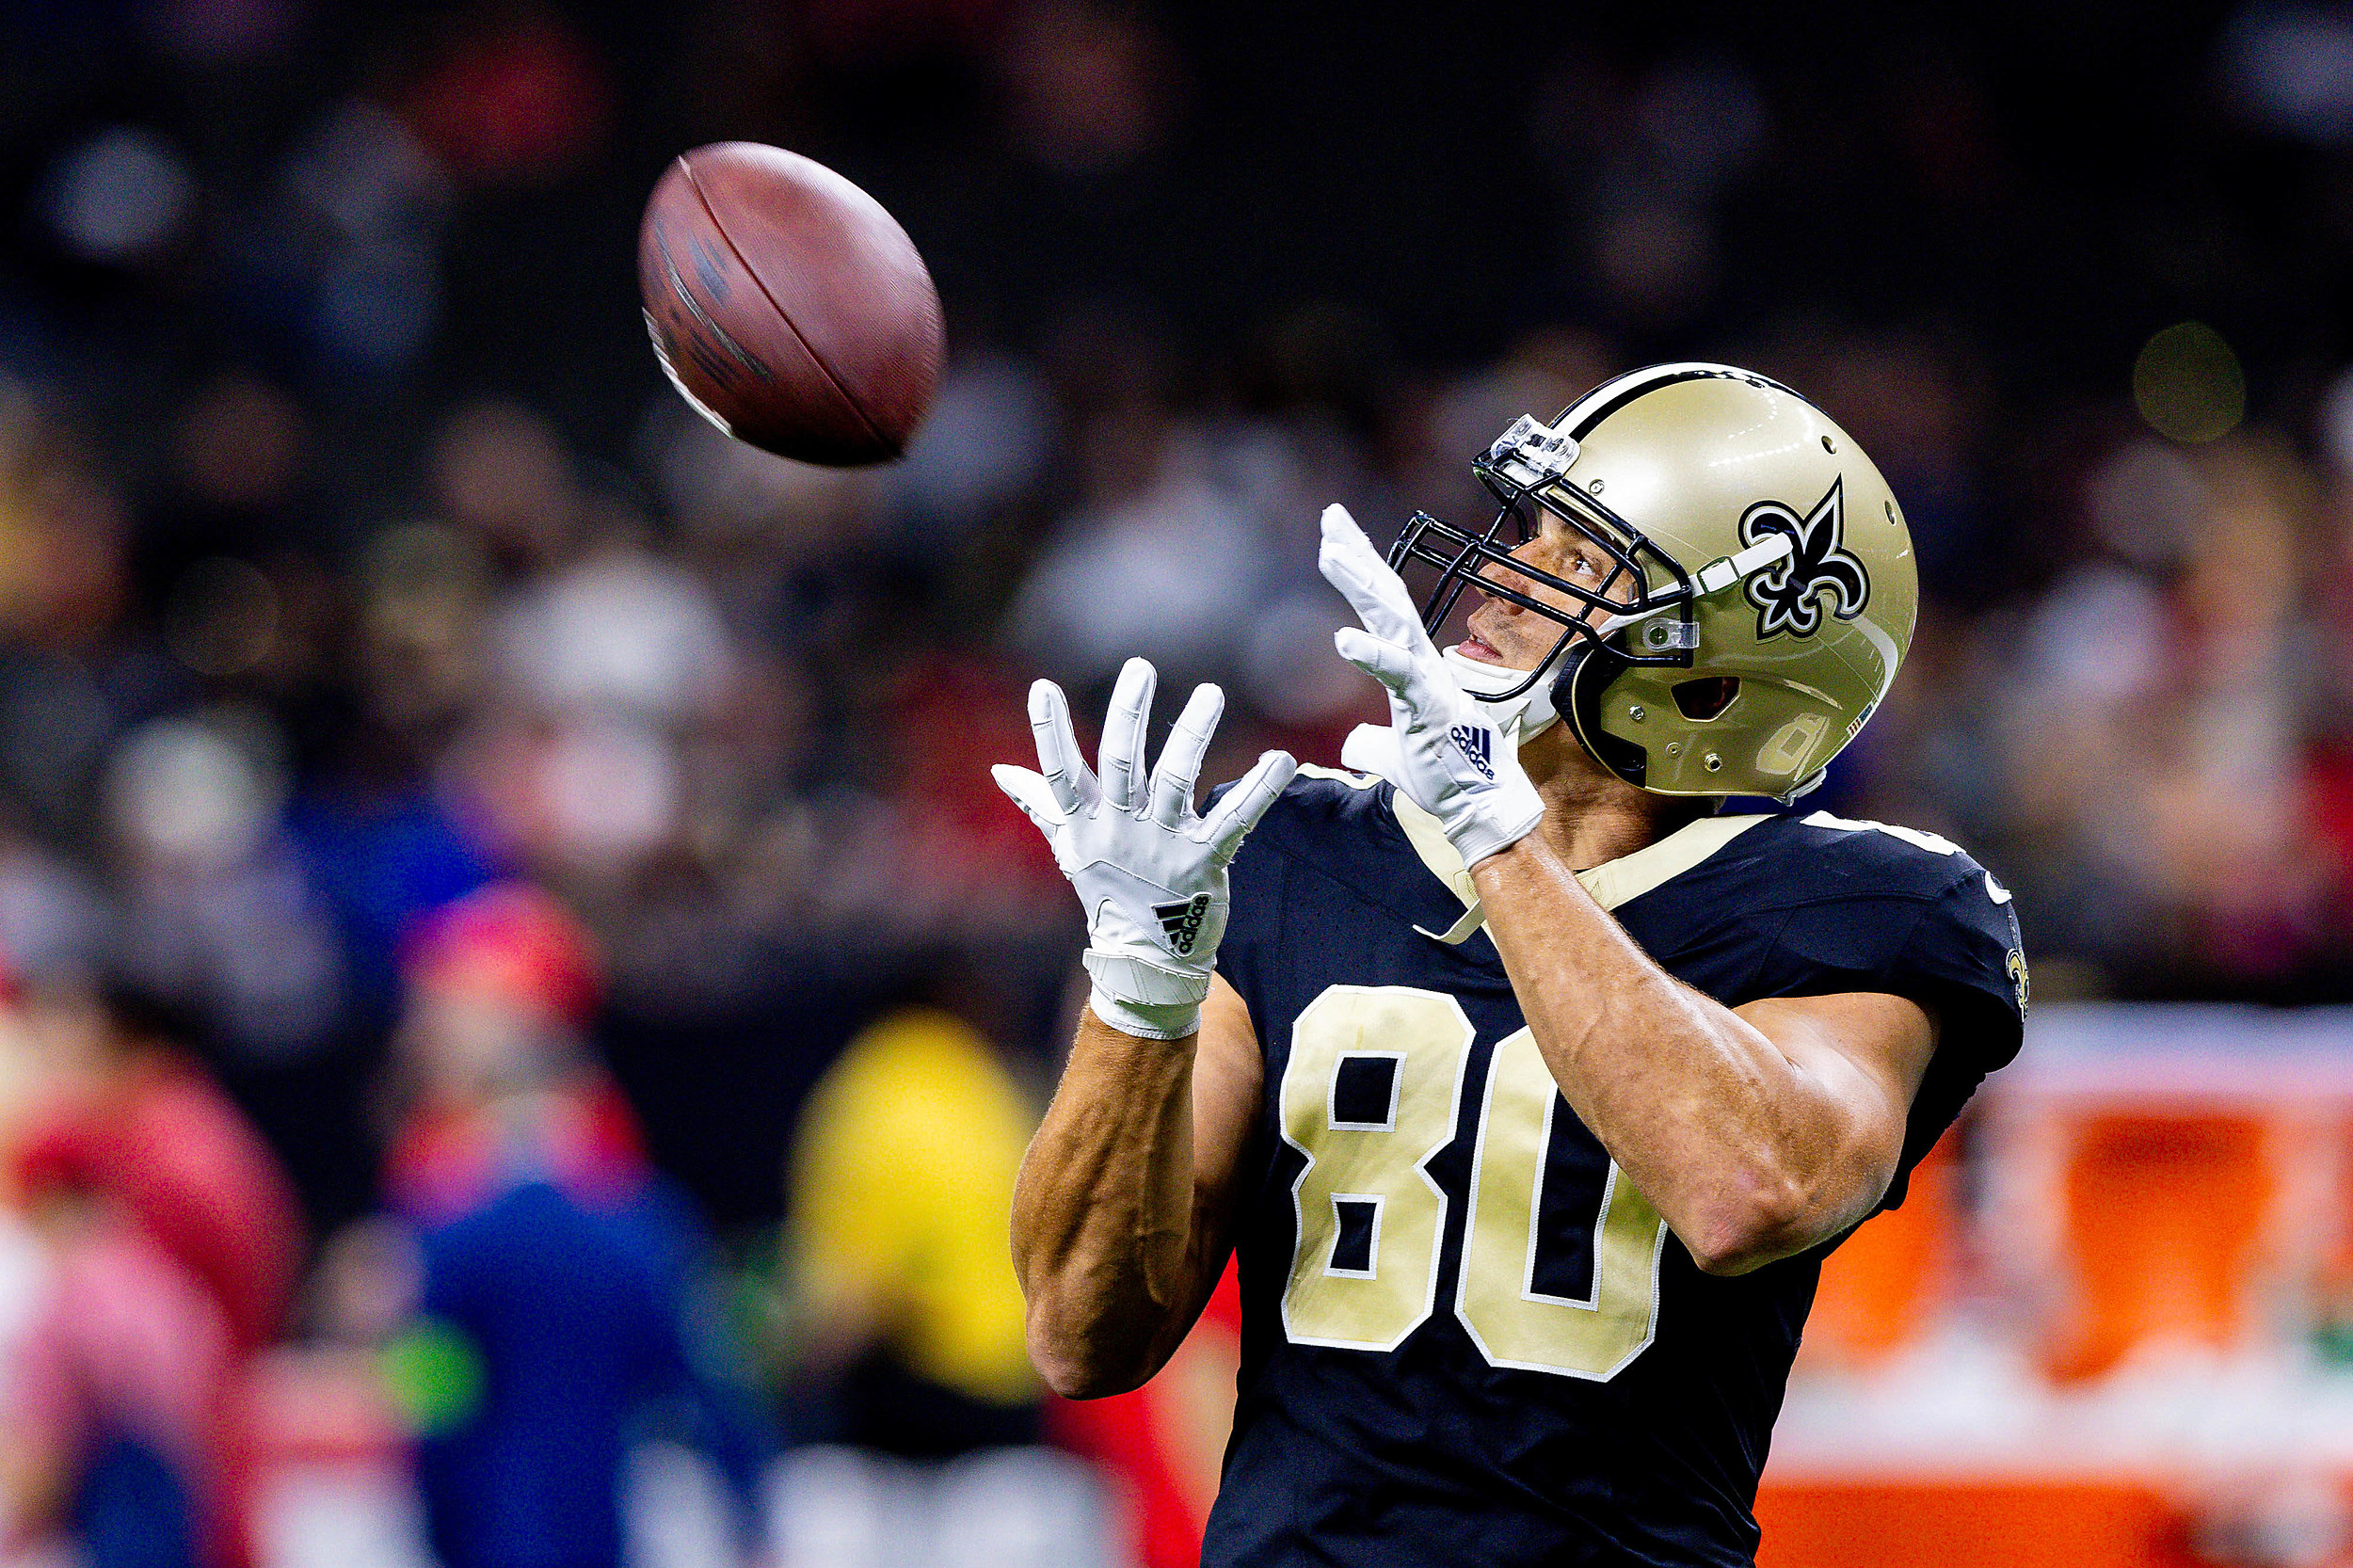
x=1466, y=1339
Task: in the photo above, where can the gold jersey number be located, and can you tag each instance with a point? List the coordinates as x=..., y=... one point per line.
x=1370, y=1220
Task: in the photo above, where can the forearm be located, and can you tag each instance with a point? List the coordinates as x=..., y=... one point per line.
x=1104, y=1232
x=1741, y=1148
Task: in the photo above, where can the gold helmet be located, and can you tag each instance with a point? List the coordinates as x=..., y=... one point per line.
x=1762, y=591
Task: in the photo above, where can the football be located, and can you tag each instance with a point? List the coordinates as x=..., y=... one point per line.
x=787, y=306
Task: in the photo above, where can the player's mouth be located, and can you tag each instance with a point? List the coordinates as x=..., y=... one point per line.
x=1475, y=647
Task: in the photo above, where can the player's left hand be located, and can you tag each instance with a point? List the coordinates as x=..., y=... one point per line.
x=1149, y=870
x=1459, y=766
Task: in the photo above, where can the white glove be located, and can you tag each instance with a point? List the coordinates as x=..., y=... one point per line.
x=1455, y=762
x=1150, y=871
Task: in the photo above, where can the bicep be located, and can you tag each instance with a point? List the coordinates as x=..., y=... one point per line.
x=1861, y=1056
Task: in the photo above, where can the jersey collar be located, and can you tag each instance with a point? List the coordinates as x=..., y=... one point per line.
x=1612, y=883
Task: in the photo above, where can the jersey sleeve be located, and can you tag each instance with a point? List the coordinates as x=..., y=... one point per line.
x=1956, y=953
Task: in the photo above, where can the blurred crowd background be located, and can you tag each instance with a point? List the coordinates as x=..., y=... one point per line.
x=512, y=961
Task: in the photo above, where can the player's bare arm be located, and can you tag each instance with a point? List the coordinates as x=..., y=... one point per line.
x=1756, y=1132
x=1123, y=1216
x=1120, y=1216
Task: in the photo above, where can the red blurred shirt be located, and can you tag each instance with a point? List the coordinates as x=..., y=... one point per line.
x=1165, y=1441
x=181, y=1159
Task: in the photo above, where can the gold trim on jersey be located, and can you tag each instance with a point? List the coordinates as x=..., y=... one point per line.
x=1612, y=883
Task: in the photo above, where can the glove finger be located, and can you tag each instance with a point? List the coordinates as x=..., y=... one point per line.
x=1180, y=759
x=1246, y=803
x=1387, y=662
x=1033, y=794
x=1349, y=564
x=1124, y=776
x=1059, y=760
x=1376, y=593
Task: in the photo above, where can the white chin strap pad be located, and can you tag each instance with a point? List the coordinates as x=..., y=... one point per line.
x=1528, y=714
x=1372, y=748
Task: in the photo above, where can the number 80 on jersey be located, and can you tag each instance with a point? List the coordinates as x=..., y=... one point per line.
x=1371, y=1094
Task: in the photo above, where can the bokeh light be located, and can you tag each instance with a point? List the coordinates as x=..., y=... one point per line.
x=2187, y=383
x=120, y=197
x=222, y=619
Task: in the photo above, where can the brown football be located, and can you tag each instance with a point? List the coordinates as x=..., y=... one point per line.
x=790, y=309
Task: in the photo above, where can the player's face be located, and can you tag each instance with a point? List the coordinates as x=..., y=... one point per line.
x=1504, y=633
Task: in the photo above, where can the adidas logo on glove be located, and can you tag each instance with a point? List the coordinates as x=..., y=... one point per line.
x=1478, y=743
x=1181, y=922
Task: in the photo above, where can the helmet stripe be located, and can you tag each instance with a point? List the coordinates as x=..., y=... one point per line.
x=1578, y=421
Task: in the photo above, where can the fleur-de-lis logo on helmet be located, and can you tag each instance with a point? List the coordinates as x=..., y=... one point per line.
x=1788, y=597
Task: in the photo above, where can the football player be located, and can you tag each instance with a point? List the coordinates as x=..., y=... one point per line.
x=1530, y=1086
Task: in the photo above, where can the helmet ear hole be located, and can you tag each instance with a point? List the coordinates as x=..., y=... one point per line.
x=1703, y=699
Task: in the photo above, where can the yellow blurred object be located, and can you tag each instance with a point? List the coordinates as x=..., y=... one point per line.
x=901, y=1184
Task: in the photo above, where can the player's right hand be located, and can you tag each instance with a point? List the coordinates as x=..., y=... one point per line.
x=1149, y=870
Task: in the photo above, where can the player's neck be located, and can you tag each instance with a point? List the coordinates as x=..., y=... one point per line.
x=1592, y=816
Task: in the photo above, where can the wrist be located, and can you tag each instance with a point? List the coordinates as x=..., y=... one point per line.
x=1499, y=819
x=1144, y=1020
x=1150, y=1001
